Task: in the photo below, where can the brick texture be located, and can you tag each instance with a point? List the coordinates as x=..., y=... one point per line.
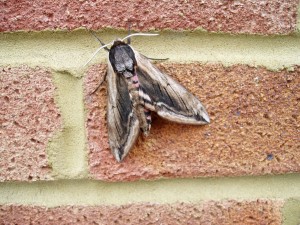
x=229, y=212
x=254, y=127
x=28, y=119
x=251, y=16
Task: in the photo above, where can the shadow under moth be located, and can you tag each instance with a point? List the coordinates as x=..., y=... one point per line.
x=136, y=88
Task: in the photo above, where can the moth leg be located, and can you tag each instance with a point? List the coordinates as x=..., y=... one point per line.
x=147, y=113
x=102, y=43
x=104, y=78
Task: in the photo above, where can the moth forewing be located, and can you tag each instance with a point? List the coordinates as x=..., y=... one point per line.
x=123, y=126
x=146, y=65
x=173, y=102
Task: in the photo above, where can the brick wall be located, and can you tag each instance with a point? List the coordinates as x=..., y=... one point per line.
x=241, y=58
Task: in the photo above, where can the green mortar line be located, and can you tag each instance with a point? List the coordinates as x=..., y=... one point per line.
x=69, y=51
x=66, y=151
x=88, y=192
x=291, y=212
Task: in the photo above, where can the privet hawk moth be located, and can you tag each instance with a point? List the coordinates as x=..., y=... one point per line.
x=136, y=88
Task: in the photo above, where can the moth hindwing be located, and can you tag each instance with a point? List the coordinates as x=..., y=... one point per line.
x=136, y=88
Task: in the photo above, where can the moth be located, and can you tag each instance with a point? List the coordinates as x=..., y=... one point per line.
x=136, y=88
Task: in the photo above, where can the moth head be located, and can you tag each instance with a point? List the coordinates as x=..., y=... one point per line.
x=117, y=42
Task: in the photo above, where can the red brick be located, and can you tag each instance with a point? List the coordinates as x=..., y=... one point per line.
x=29, y=117
x=229, y=212
x=254, y=127
x=251, y=16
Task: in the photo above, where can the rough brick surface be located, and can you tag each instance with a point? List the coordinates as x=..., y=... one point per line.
x=28, y=119
x=251, y=16
x=230, y=212
x=254, y=127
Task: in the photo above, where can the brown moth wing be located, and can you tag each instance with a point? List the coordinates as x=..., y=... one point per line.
x=171, y=100
x=123, y=125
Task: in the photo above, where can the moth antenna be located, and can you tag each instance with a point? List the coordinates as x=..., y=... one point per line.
x=138, y=34
x=102, y=43
x=97, y=52
x=129, y=32
x=158, y=59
